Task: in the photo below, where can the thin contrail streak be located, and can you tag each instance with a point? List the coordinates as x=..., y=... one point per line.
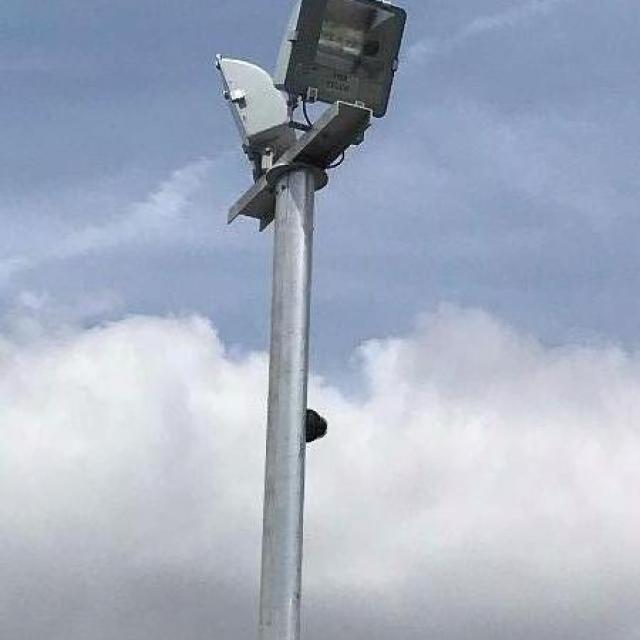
x=157, y=216
x=427, y=48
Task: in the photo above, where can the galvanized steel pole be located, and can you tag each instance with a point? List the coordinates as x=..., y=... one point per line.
x=285, y=460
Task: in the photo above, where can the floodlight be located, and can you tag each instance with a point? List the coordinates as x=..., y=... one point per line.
x=342, y=50
x=259, y=109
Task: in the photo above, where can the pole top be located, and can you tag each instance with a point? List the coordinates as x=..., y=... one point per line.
x=341, y=126
x=274, y=174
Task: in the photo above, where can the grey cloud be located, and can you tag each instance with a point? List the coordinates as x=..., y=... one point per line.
x=509, y=168
x=527, y=214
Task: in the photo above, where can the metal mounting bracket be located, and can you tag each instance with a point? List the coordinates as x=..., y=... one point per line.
x=340, y=127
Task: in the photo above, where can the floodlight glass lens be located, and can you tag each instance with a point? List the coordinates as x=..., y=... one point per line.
x=349, y=37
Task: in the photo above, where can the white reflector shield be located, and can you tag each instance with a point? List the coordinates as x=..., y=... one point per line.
x=344, y=50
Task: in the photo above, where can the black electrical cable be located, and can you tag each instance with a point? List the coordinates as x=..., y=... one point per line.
x=306, y=113
x=340, y=160
x=336, y=164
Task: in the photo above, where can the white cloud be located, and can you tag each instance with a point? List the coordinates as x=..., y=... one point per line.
x=157, y=215
x=481, y=479
x=427, y=48
x=173, y=212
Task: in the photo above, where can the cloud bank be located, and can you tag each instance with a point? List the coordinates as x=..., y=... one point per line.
x=481, y=485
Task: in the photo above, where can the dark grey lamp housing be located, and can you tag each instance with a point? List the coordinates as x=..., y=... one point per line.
x=342, y=50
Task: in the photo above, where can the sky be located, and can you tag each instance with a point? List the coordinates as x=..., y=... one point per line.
x=474, y=333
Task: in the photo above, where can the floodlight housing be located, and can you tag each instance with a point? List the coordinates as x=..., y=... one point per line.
x=259, y=109
x=342, y=50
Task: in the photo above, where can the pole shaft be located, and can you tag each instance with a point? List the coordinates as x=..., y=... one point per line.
x=280, y=587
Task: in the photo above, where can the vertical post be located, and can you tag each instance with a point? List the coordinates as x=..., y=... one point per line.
x=285, y=461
